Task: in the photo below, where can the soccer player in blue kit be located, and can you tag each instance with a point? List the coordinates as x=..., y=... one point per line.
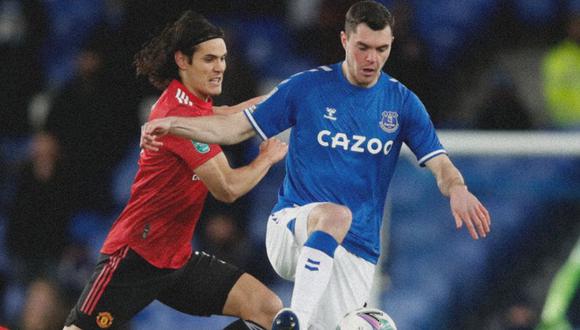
x=349, y=121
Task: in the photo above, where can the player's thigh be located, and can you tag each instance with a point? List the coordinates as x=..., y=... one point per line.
x=348, y=289
x=202, y=287
x=287, y=230
x=121, y=286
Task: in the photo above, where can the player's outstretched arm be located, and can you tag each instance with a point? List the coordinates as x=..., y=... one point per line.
x=465, y=207
x=227, y=184
x=218, y=129
x=227, y=110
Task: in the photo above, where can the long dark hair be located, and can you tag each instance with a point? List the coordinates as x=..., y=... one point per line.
x=156, y=59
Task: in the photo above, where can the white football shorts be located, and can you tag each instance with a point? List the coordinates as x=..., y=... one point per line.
x=352, y=276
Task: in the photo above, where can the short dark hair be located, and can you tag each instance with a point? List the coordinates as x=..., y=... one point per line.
x=372, y=13
x=156, y=59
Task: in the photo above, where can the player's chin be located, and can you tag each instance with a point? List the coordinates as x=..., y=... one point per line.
x=366, y=80
x=214, y=90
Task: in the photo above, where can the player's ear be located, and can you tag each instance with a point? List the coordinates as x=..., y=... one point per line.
x=181, y=60
x=343, y=39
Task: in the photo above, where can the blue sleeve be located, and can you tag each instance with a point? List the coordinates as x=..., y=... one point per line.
x=276, y=113
x=420, y=133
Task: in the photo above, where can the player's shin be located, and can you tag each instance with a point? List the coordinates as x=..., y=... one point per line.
x=313, y=273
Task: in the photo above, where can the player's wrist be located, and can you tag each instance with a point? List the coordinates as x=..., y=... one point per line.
x=264, y=159
x=456, y=187
x=174, y=126
x=172, y=121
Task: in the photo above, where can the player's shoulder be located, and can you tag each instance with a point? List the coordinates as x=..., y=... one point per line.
x=317, y=74
x=172, y=99
x=393, y=85
x=322, y=71
x=175, y=95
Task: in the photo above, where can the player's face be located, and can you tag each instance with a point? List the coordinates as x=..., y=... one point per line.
x=367, y=52
x=205, y=74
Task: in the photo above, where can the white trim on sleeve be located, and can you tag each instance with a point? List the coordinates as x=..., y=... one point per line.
x=431, y=155
x=248, y=114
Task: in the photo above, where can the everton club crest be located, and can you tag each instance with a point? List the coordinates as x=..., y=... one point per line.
x=389, y=122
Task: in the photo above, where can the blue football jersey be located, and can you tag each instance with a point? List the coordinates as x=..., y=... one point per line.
x=344, y=144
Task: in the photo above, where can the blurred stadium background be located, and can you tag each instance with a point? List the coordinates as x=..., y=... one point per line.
x=500, y=78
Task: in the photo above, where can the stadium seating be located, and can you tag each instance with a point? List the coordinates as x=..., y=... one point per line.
x=433, y=269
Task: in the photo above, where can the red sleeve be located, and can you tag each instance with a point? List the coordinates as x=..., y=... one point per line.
x=193, y=153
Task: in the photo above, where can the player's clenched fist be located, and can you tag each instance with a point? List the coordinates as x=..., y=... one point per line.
x=273, y=149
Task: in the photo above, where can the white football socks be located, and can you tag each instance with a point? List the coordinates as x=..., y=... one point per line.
x=313, y=272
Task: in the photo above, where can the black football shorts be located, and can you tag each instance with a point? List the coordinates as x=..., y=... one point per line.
x=124, y=283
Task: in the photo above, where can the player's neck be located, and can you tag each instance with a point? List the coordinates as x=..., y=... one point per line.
x=351, y=80
x=189, y=85
x=202, y=96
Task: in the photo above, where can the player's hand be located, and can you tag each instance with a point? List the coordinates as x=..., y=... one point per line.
x=274, y=150
x=150, y=131
x=468, y=210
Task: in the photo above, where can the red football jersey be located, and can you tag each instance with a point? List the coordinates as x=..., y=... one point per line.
x=166, y=197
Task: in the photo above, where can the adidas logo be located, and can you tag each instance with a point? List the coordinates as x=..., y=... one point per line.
x=183, y=98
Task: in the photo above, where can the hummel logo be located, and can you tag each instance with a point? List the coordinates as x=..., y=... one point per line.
x=182, y=97
x=330, y=113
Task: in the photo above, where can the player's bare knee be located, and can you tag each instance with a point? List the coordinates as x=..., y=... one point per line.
x=262, y=307
x=333, y=219
x=271, y=304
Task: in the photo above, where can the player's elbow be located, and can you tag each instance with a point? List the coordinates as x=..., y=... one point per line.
x=227, y=198
x=226, y=195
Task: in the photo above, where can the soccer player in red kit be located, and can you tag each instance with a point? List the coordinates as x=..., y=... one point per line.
x=148, y=255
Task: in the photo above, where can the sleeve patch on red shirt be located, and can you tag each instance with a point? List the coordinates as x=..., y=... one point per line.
x=202, y=148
